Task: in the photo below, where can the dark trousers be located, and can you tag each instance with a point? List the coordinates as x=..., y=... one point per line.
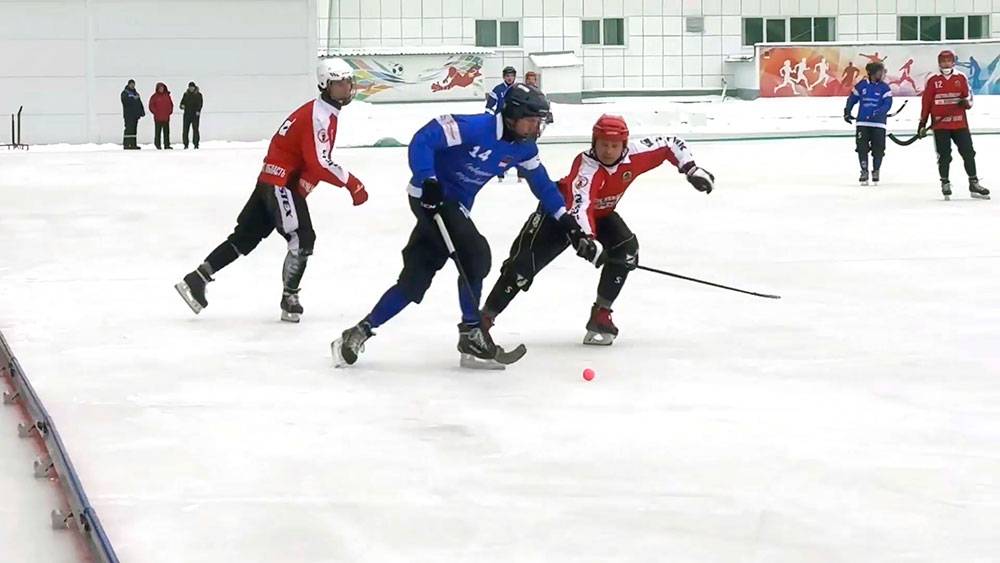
x=162, y=129
x=870, y=140
x=963, y=141
x=131, y=128
x=191, y=121
x=542, y=239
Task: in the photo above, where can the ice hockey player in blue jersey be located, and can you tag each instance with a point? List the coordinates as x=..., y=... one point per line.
x=875, y=100
x=451, y=159
x=494, y=99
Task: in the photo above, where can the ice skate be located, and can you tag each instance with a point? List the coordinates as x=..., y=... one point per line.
x=863, y=179
x=601, y=330
x=192, y=289
x=874, y=177
x=946, y=190
x=477, y=349
x=350, y=344
x=976, y=190
x=291, y=309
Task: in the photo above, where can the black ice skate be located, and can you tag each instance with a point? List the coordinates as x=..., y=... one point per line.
x=291, y=309
x=946, y=189
x=477, y=348
x=976, y=190
x=192, y=289
x=875, y=177
x=350, y=344
x=601, y=330
x=863, y=179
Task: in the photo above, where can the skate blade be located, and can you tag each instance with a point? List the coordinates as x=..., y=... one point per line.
x=469, y=361
x=185, y=293
x=979, y=196
x=338, y=358
x=598, y=339
x=290, y=317
x=864, y=183
x=947, y=198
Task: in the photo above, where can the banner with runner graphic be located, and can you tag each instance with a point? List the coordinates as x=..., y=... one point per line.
x=410, y=78
x=833, y=69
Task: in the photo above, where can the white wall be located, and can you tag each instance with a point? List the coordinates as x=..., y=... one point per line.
x=658, y=53
x=67, y=61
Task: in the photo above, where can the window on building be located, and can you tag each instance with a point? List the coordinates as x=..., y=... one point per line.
x=510, y=34
x=753, y=31
x=979, y=27
x=614, y=31
x=486, y=33
x=930, y=28
x=909, y=28
x=800, y=30
x=591, y=32
x=775, y=31
x=824, y=29
x=954, y=28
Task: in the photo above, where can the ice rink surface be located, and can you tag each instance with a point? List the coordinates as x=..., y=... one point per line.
x=857, y=419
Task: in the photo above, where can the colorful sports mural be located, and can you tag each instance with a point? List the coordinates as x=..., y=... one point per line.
x=418, y=77
x=832, y=70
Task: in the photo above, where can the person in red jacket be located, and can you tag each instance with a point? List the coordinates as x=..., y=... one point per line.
x=161, y=105
x=299, y=157
x=946, y=99
x=596, y=183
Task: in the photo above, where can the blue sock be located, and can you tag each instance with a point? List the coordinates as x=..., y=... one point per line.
x=392, y=302
x=470, y=304
x=876, y=162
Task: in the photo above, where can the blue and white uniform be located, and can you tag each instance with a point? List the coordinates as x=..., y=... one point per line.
x=494, y=98
x=876, y=101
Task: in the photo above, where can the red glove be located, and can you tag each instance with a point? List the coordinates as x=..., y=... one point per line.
x=357, y=189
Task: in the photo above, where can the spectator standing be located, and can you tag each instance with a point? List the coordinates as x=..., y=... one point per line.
x=161, y=105
x=191, y=103
x=132, y=111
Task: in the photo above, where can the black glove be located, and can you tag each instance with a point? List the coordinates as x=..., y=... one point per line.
x=432, y=196
x=922, y=131
x=585, y=247
x=964, y=102
x=847, y=116
x=701, y=179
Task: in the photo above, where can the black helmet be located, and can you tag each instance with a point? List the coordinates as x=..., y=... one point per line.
x=873, y=67
x=524, y=100
x=509, y=70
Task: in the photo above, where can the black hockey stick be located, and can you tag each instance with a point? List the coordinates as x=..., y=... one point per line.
x=502, y=356
x=893, y=114
x=696, y=280
x=914, y=138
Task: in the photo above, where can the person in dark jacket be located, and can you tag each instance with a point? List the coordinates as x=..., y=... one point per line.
x=191, y=104
x=161, y=105
x=132, y=110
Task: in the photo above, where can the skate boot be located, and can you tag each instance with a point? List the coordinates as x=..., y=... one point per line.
x=863, y=179
x=477, y=348
x=350, y=344
x=875, y=177
x=946, y=189
x=976, y=190
x=291, y=309
x=601, y=330
x=192, y=288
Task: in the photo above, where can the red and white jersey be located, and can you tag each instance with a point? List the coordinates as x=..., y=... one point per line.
x=592, y=190
x=301, y=152
x=941, y=100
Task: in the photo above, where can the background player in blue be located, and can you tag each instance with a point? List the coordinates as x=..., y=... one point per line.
x=451, y=159
x=875, y=99
x=494, y=98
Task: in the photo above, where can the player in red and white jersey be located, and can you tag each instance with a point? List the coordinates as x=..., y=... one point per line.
x=596, y=183
x=298, y=158
x=946, y=99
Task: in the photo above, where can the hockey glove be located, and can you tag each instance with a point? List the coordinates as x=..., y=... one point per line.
x=964, y=103
x=848, y=117
x=922, y=131
x=585, y=247
x=357, y=189
x=432, y=196
x=701, y=179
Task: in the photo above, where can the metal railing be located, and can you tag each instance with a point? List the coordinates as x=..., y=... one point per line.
x=55, y=463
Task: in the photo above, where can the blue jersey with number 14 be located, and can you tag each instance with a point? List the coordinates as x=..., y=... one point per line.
x=464, y=152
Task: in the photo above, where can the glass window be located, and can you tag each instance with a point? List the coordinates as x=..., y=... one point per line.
x=775, y=31
x=930, y=28
x=753, y=31
x=510, y=34
x=824, y=29
x=979, y=27
x=954, y=28
x=909, y=28
x=486, y=33
x=614, y=31
x=801, y=30
x=591, y=32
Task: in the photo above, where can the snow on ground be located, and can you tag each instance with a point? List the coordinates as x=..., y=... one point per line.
x=856, y=419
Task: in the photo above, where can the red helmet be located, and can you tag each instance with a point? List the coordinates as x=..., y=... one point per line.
x=611, y=128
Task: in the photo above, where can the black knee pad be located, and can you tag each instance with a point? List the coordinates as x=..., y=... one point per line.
x=480, y=261
x=944, y=158
x=307, y=241
x=626, y=250
x=244, y=243
x=415, y=283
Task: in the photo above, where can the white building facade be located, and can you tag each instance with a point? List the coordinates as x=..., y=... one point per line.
x=644, y=45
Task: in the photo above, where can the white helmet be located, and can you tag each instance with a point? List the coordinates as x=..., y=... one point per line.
x=335, y=70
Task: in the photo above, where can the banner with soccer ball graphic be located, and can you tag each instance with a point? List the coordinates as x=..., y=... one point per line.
x=408, y=78
x=834, y=69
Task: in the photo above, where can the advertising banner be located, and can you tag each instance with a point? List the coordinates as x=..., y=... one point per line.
x=412, y=78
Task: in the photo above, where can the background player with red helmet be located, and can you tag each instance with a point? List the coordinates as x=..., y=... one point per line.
x=298, y=158
x=946, y=99
x=593, y=188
